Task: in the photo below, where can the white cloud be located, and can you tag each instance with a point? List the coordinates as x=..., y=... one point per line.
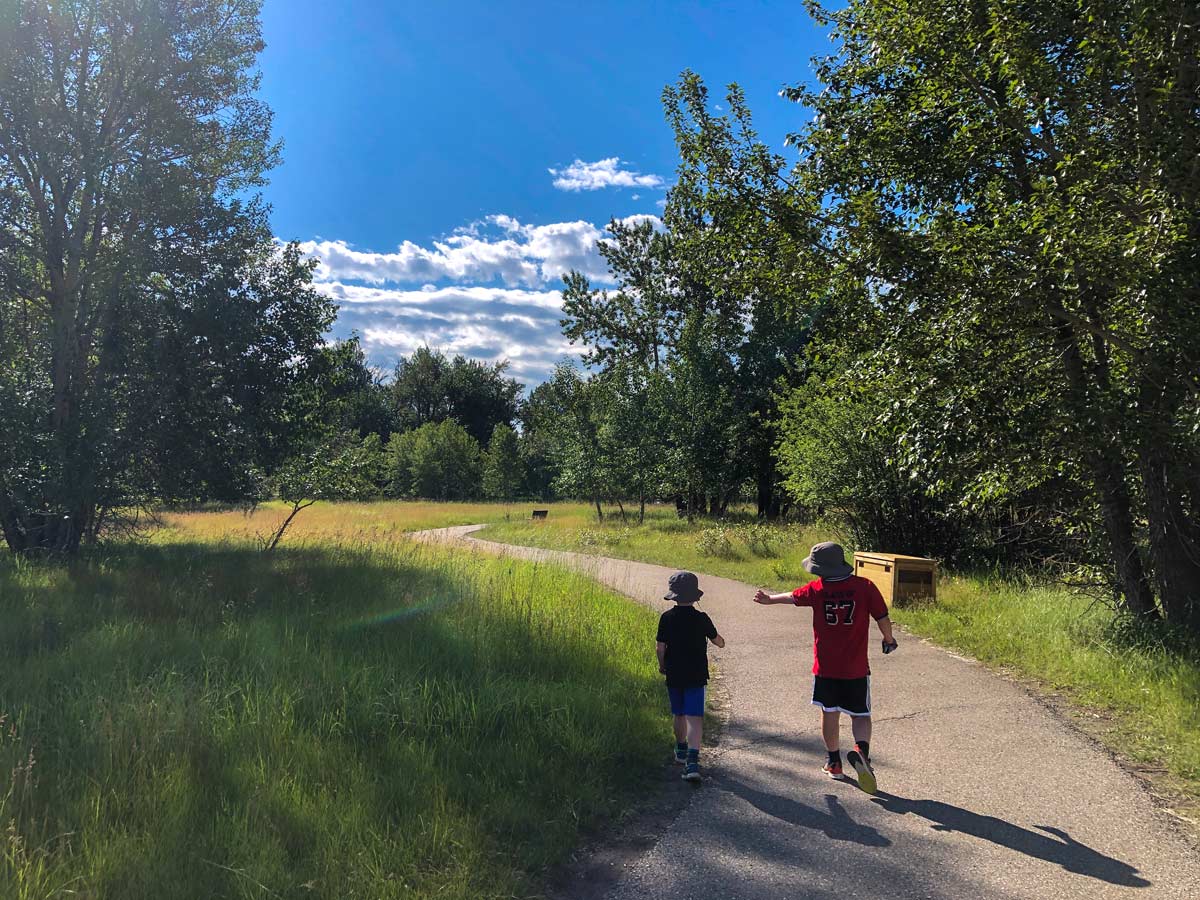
x=503, y=306
x=604, y=173
x=639, y=218
x=526, y=255
x=491, y=324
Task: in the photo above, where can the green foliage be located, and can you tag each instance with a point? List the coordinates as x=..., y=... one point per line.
x=1002, y=207
x=427, y=387
x=438, y=461
x=154, y=335
x=347, y=395
x=503, y=470
x=717, y=542
x=340, y=467
x=836, y=453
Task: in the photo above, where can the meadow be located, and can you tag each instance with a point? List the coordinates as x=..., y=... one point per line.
x=353, y=715
x=1133, y=691
x=360, y=715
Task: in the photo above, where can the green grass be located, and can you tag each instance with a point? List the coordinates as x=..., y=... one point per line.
x=355, y=716
x=739, y=548
x=1146, y=697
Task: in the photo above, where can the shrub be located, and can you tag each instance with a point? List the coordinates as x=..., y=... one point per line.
x=717, y=542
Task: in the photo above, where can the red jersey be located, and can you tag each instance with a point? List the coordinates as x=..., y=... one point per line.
x=841, y=627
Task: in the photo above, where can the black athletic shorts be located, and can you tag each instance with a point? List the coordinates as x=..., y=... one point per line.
x=848, y=695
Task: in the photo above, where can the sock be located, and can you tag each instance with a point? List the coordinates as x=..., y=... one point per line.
x=864, y=747
x=693, y=755
x=835, y=757
x=681, y=746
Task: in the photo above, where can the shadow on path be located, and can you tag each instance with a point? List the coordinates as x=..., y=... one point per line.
x=836, y=824
x=1055, y=846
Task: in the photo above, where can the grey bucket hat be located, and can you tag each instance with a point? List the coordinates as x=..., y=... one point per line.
x=683, y=587
x=828, y=560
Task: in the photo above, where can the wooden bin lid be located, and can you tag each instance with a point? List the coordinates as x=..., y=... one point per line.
x=896, y=557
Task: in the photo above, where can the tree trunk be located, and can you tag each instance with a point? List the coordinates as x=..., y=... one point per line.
x=766, y=494
x=599, y=511
x=1107, y=468
x=1174, y=551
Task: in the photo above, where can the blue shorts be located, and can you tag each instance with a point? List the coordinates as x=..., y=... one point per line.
x=686, y=701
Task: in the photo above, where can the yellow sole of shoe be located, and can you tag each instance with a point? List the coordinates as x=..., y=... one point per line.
x=866, y=778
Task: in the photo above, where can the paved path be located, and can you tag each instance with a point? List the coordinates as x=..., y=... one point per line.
x=984, y=793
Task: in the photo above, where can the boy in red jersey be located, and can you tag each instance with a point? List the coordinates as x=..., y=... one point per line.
x=841, y=602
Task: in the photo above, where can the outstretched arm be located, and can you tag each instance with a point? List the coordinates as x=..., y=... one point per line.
x=885, y=628
x=767, y=599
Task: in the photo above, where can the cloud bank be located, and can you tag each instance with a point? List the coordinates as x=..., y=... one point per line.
x=502, y=302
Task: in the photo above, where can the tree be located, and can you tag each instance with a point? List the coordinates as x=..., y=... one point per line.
x=569, y=408
x=711, y=305
x=153, y=334
x=633, y=433
x=427, y=387
x=340, y=467
x=348, y=393
x=503, y=470
x=538, y=441
x=438, y=461
x=1013, y=190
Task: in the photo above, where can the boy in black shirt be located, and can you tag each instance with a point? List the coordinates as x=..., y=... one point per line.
x=683, y=635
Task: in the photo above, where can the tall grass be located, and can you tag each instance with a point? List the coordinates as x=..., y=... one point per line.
x=737, y=548
x=349, y=717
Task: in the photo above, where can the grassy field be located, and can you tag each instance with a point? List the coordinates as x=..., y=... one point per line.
x=353, y=716
x=1140, y=698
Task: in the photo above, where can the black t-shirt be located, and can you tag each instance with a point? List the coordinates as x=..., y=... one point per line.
x=686, y=632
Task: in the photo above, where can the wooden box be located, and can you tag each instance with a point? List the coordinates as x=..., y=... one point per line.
x=899, y=578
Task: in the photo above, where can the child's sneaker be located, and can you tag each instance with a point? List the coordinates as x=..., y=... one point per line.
x=866, y=776
x=692, y=772
x=681, y=754
x=832, y=769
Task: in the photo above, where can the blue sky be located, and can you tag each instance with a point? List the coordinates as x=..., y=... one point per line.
x=419, y=140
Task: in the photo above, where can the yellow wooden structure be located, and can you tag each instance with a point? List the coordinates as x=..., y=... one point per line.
x=899, y=578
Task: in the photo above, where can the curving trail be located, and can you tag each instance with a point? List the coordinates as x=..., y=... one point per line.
x=984, y=792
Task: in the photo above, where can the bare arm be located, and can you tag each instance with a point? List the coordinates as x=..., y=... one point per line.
x=767, y=599
x=661, y=649
x=718, y=641
x=885, y=628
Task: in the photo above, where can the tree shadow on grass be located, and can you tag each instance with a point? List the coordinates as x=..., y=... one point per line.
x=393, y=667
x=1054, y=846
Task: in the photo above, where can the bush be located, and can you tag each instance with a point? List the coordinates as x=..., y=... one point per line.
x=764, y=541
x=717, y=542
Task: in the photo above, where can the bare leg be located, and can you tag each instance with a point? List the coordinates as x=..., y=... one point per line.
x=695, y=731
x=861, y=726
x=680, y=726
x=831, y=726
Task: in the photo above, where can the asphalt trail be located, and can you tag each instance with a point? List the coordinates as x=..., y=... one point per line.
x=983, y=791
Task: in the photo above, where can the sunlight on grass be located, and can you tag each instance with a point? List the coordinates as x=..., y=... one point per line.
x=358, y=716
